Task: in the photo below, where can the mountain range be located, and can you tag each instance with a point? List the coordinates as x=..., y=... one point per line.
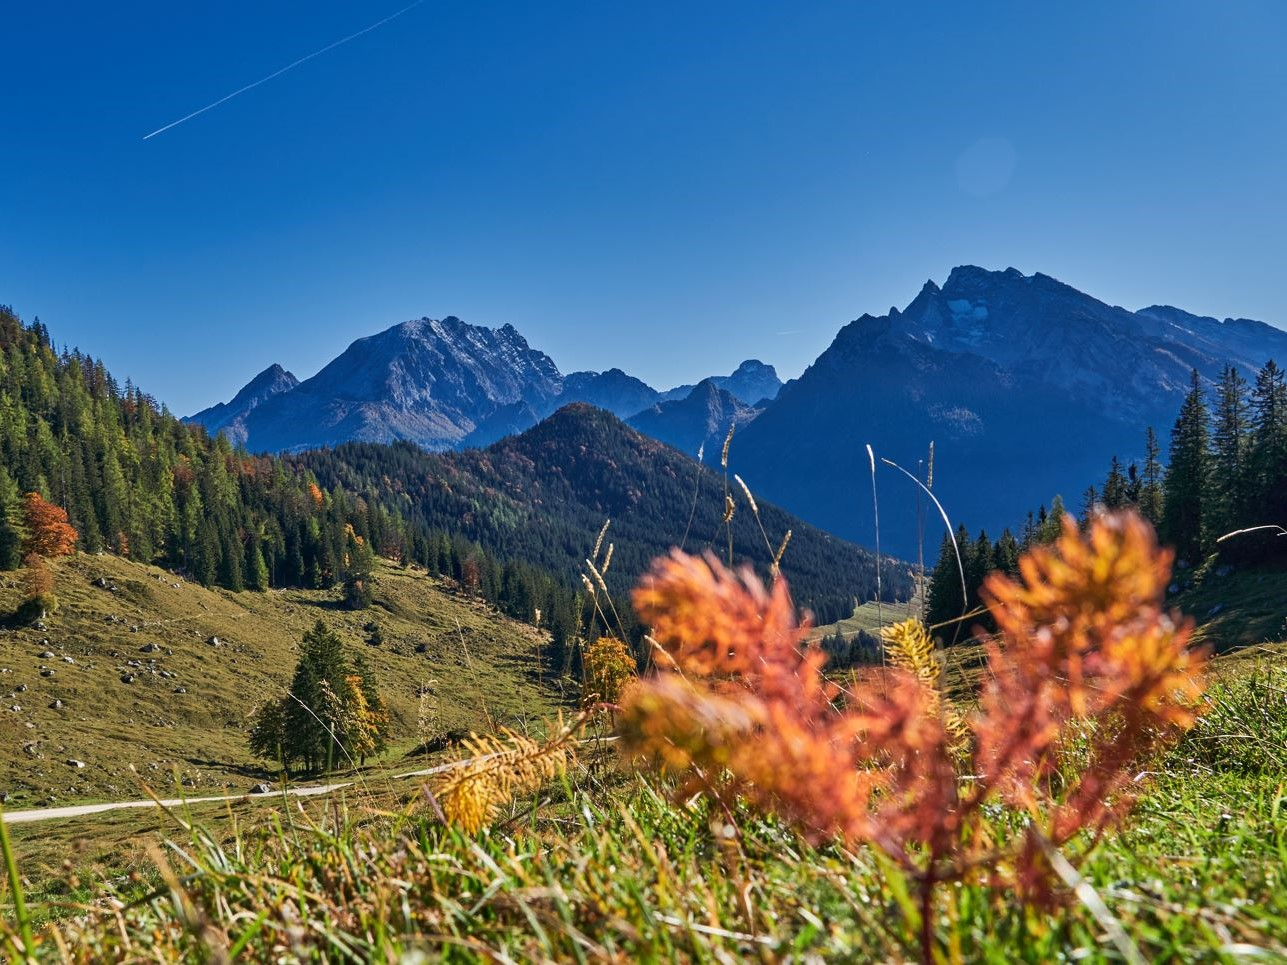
x=442, y=384
x=1025, y=385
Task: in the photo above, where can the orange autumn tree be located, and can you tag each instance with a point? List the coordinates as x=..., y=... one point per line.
x=48, y=532
x=1088, y=675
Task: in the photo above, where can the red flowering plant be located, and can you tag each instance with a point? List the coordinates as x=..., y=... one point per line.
x=1087, y=675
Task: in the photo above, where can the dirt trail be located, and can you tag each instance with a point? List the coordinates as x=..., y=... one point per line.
x=83, y=810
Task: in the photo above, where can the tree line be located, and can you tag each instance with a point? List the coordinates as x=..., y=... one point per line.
x=1226, y=474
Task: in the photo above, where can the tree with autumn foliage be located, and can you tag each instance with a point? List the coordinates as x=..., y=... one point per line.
x=48, y=533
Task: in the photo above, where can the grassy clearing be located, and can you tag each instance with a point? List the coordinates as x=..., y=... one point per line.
x=182, y=720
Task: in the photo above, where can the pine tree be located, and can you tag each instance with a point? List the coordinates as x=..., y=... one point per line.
x=268, y=732
x=945, y=602
x=256, y=568
x=1184, y=493
x=1150, y=498
x=1228, y=455
x=10, y=536
x=1265, y=488
x=1051, y=526
x=1090, y=504
x=1114, y=495
x=1006, y=553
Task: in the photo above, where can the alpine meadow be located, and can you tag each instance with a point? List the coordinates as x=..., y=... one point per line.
x=663, y=605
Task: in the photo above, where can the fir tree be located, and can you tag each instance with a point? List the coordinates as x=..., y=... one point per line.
x=1115, y=494
x=1266, y=490
x=1184, y=502
x=1150, y=498
x=1228, y=455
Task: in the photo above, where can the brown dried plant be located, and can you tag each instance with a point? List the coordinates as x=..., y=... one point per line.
x=500, y=769
x=1087, y=675
x=608, y=667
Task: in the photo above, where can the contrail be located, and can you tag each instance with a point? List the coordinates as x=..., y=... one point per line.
x=278, y=73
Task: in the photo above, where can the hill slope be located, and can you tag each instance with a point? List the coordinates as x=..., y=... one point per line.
x=199, y=734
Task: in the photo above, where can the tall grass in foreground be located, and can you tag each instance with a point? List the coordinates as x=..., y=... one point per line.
x=789, y=818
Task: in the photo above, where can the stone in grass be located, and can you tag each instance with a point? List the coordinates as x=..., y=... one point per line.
x=180, y=690
x=46, y=655
x=57, y=705
x=150, y=648
x=75, y=763
x=127, y=678
x=262, y=788
x=215, y=642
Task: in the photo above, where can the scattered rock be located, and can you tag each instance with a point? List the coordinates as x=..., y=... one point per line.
x=57, y=705
x=215, y=642
x=75, y=763
x=21, y=688
x=46, y=655
x=262, y=788
x=46, y=672
x=180, y=690
x=68, y=660
x=189, y=782
x=127, y=678
x=101, y=583
x=16, y=708
x=150, y=648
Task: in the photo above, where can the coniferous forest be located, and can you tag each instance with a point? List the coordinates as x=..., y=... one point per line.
x=138, y=482
x=1224, y=488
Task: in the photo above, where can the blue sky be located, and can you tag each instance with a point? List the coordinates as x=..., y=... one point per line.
x=667, y=187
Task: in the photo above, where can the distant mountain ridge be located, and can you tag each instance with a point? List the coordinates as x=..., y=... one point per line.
x=230, y=417
x=699, y=420
x=440, y=383
x=751, y=382
x=1026, y=386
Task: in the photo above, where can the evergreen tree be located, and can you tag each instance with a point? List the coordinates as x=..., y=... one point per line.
x=310, y=710
x=1115, y=494
x=945, y=602
x=1184, y=497
x=10, y=532
x=1266, y=483
x=1228, y=456
x=1006, y=553
x=1150, y=498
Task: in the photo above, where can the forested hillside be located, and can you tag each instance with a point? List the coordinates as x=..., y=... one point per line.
x=543, y=496
x=512, y=524
x=136, y=481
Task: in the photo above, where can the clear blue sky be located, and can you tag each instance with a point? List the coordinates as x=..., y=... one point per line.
x=668, y=187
